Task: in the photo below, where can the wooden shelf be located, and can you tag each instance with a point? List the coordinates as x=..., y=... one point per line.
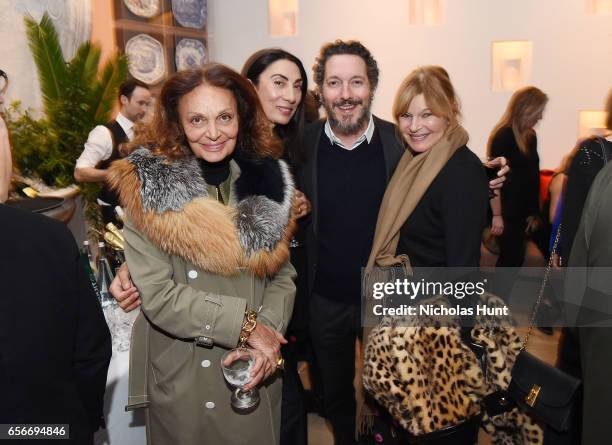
x=156, y=28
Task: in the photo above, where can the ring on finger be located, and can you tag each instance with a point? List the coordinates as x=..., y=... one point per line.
x=280, y=363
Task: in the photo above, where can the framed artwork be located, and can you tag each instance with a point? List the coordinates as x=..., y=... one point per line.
x=282, y=18
x=510, y=64
x=591, y=123
x=599, y=6
x=425, y=12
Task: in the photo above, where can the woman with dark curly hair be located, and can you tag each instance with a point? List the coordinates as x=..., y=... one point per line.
x=282, y=86
x=209, y=219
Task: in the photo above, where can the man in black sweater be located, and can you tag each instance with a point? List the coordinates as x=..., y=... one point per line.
x=352, y=156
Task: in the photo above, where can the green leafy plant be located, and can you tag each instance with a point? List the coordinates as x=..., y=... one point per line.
x=77, y=95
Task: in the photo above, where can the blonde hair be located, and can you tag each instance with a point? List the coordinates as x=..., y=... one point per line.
x=524, y=106
x=433, y=82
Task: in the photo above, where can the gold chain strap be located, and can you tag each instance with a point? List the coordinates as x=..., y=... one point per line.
x=537, y=303
x=248, y=325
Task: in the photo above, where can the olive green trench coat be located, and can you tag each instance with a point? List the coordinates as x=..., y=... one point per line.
x=189, y=319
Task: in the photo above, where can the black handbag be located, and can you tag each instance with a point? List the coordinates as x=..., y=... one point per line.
x=543, y=391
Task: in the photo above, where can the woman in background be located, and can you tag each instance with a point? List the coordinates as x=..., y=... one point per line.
x=590, y=158
x=6, y=164
x=282, y=86
x=592, y=155
x=515, y=139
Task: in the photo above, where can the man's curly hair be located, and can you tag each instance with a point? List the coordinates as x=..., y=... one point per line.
x=352, y=47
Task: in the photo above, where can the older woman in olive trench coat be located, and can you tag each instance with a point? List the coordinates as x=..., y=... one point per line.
x=201, y=254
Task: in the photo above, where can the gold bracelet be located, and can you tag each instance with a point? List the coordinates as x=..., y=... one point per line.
x=248, y=325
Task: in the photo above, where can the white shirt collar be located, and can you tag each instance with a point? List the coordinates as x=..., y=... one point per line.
x=367, y=135
x=126, y=124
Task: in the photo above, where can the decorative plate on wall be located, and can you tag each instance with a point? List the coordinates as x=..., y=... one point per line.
x=146, y=58
x=190, y=53
x=190, y=13
x=143, y=8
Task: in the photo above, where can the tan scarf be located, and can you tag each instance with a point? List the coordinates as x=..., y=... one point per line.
x=412, y=178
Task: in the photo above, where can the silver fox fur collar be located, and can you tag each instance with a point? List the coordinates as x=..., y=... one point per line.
x=264, y=194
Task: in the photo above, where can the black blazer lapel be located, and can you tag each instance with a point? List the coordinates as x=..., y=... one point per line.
x=312, y=136
x=392, y=148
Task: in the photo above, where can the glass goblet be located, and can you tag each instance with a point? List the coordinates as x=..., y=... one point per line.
x=237, y=365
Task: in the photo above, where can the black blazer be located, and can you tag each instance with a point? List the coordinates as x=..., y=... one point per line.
x=307, y=179
x=55, y=347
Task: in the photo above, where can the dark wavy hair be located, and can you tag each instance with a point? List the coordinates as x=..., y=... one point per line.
x=292, y=133
x=165, y=135
x=340, y=47
x=127, y=88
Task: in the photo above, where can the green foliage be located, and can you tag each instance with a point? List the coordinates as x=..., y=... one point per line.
x=47, y=52
x=77, y=96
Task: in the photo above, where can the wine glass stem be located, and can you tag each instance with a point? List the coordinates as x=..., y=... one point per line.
x=244, y=393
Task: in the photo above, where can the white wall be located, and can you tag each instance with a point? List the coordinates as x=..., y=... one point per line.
x=572, y=52
x=72, y=20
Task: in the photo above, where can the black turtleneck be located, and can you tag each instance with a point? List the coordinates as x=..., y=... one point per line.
x=215, y=173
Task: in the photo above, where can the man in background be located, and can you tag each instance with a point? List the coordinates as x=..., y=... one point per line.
x=103, y=143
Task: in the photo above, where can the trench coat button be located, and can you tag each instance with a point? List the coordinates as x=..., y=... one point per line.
x=209, y=405
x=205, y=363
x=192, y=274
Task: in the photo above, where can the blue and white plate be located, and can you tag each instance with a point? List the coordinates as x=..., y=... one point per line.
x=143, y=8
x=190, y=53
x=190, y=13
x=147, y=61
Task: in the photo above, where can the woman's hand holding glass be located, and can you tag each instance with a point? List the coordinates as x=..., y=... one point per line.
x=266, y=342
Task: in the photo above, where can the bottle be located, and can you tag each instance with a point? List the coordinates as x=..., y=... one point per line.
x=105, y=277
x=88, y=264
x=87, y=252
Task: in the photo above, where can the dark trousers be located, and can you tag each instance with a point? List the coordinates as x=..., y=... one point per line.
x=293, y=413
x=596, y=363
x=512, y=244
x=334, y=327
x=294, y=425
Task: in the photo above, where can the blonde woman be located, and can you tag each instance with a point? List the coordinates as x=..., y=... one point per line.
x=432, y=215
x=515, y=139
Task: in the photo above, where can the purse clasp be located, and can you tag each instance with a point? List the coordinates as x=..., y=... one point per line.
x=532, y=396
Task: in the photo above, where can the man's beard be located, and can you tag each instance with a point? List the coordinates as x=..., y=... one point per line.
x=347, y=127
